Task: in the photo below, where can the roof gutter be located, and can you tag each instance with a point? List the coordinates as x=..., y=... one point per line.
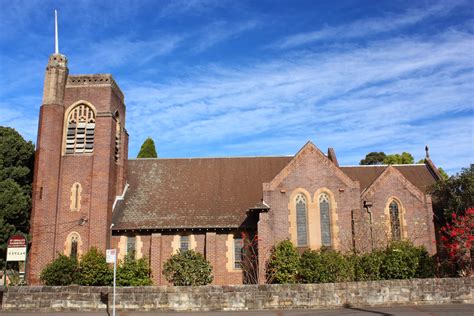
x=120, y=197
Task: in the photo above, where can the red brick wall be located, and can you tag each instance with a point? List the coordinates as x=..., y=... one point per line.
x=418, y=211
x=101, y=178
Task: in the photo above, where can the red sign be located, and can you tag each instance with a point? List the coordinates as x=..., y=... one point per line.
x=17, y=241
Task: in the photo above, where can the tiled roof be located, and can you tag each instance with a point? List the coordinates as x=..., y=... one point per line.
x=193, y=193
x=419, y=175
x=215, y=192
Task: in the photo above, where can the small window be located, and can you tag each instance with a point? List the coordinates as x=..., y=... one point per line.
x=76, y=190
x=74, y=242
x=238, y=252
x=301, y=221
x=184, y=243
x=80, y=130
x=324, y=208
x=131, y=245
x=118, y=130
x=395, y=221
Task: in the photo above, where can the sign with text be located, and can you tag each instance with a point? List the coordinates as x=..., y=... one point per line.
x=16, y=248
x=110, y=255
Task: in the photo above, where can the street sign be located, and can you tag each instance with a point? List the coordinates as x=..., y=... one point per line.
x=16, y=248
x=111, y=255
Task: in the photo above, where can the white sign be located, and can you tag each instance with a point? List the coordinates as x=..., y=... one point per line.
x=110, y=255
x=16, y=254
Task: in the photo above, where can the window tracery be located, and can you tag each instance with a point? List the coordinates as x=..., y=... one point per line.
x=395, y=220
x=324, y=208
x=301, y=220
x=80, y=130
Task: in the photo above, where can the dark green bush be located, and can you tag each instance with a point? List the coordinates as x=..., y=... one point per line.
x=401, y=261
x=188, y=268
x=93, y=270
x=427, y=265
x=62, y=271
x=284, y=263
x=325, y=266
x=368, y=266
x=133, y=272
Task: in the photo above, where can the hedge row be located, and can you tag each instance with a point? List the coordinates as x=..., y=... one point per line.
x=401, y=260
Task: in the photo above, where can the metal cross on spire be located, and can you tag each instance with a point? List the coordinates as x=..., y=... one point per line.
x=56, y=41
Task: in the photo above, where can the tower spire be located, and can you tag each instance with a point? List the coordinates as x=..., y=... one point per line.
x=56, y=41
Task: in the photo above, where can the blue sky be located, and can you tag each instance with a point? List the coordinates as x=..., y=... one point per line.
x=237, y=78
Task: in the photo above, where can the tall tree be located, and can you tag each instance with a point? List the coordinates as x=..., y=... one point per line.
x=373, y=158
x=401, y=159
x=454, y=195
x=148, y=149
x=16, y=176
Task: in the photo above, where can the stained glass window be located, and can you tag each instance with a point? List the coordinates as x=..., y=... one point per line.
x=131, y=245
x=301, y=221
x=324, y=208
x=395, y=221
x=184, y=243
x=238, y=252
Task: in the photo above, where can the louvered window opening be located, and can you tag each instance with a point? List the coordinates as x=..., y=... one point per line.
x=395, y=221
x=238, y=252
x=184, y=243
x=301, y=221
x=80, y=130
x=324, y=208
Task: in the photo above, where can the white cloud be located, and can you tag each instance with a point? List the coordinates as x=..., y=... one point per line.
x=367, y=27
x=393, y=95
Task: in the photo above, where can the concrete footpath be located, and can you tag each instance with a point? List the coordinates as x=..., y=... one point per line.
x=414, y=310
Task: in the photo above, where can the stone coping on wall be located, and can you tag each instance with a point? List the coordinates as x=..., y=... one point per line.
x=240, y=297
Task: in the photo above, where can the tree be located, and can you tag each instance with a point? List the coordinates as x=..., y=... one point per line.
x=62, y=271
x=148, y=149
x=16, y=175
x=284, y=263
x=458, y=239
x=94, y=270
x=454, y=195
x=188, y=268
x=401, y=159
x=373, y=158
x=134, y=272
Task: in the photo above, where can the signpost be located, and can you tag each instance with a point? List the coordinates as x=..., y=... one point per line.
x=111, y=257
x=16, y=251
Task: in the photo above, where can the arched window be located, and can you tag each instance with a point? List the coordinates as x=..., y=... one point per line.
x=76, y=190
x=301, y=221
x=324, y=208
x=395, y=220
x=80, y=130
x=73, y=243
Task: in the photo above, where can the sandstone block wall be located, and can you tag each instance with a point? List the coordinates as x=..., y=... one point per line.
x=239, y=297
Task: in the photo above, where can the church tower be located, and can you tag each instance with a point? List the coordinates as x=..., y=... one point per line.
x=80, y=164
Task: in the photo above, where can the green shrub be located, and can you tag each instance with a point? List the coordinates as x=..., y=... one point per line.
x=401, y=261
x=284, y=263
x=133, y=272
x=93, y=270
x=62, y=271
x=368, y=266
x=325, y=266
x=427, y=265
x=188, y=268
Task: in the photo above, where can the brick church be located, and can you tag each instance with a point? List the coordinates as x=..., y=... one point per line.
x=86, y=192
